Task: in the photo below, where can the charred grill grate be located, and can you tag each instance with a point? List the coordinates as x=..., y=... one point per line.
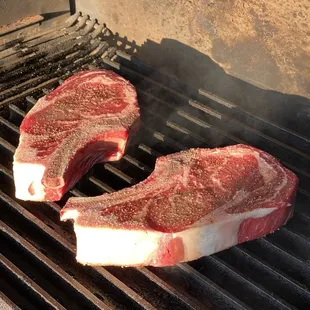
x=37, y=251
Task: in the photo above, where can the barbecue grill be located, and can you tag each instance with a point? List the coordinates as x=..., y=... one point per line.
x=38, y=267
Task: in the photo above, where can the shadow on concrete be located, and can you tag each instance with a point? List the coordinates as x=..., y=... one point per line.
x=182, y=62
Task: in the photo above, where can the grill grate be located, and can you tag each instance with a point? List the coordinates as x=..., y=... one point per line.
x=37, y=251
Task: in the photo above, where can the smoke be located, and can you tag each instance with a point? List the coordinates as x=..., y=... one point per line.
x=184, y=71
x=187, y=100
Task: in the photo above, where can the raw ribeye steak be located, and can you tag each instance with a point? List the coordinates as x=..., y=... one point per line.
x=195, y=203
x=84, y=121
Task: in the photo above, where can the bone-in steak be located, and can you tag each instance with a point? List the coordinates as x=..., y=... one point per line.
x=84, y=121
x=195, y=203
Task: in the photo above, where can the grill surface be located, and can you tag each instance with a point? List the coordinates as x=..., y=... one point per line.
x=38, y=252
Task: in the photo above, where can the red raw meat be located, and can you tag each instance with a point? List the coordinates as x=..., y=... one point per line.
x=84, y=121
x=195, y=203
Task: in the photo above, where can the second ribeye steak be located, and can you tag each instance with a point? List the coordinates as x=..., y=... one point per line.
x=195, y=203
x=84, y=121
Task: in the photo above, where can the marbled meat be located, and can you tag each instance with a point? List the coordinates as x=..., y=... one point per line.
x=86, y=120
x=195, y=203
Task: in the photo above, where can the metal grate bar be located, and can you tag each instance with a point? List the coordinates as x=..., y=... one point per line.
x=190, y=304
x=149, y=285
x=51, y=49
x=49, y=82
x=58, y=35
x=6, y=145
x=82, y=57
x=109, y=278
x=45, y=65
x=48, y=300
x=6, y=303
x=303, y=176
x=14, y=57
x=153, y=86
x=277, y=282
x=120, y=174
x=48, y=45
x=300, y=224
x=239, y=285
x=137, y=163
x=186, y=278
x=11, y=234
x=242, y=251
x=279, y=259
x=248, y=133
x=149, y=150
x=15, y=45
x=103, y=186
x=235, y=123
x=219, y=104
x=9, y=126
